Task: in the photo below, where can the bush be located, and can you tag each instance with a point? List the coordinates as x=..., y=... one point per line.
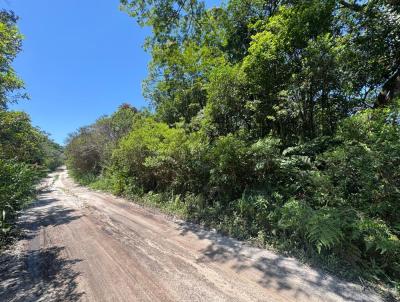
x=89, y=150
x=17, y=188
x=19, y=139
x=229, y=160
x=152, y=155
x=364, y=169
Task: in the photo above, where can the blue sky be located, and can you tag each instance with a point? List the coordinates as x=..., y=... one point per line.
x=81, y=59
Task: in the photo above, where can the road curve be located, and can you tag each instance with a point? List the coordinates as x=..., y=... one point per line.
x=83, y=245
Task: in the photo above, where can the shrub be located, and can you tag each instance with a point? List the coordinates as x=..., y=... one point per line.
x=364, y=168
x=89, y=150
x=152, y=155
x=229, y=162
x=17, y=188
x=19, y=139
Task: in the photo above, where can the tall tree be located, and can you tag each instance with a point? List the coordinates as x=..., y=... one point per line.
x=10, y=46
x=373, y=33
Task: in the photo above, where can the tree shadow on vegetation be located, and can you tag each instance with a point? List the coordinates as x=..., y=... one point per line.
x=40, y=273
x=282, y=274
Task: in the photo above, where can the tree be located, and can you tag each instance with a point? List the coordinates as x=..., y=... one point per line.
x=19, y=140
x=90, y=148
x=10, y=46
x=239, y=21
x=373, y=33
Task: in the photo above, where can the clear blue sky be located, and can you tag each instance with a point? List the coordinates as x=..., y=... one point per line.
x=81, y=59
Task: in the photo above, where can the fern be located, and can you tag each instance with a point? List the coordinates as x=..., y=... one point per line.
x=377, y=236
x=324, y=229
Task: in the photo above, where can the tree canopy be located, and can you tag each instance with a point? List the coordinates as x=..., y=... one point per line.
x=10, y=46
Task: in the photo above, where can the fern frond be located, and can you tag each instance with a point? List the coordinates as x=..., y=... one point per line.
x=324, y=229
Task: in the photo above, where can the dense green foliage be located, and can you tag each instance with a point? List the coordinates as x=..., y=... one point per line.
x=16, y=190
x=26, y=153
x=10, y=45
x=89, y=150
x=276, y=121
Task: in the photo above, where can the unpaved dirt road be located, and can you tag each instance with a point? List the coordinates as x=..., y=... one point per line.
x=89, y=246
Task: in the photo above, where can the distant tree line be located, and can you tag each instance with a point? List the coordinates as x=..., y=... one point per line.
x=274, y=121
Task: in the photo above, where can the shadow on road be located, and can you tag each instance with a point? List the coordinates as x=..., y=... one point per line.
x=40, y=273
x=43, y=213
x=276, y=272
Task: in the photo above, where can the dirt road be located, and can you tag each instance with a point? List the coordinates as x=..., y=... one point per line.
x=88, y=246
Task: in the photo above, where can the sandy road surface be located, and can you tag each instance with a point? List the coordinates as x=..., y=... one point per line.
x=88, y=246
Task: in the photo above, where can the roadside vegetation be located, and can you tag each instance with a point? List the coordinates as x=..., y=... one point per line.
x=26, y=152
x=273, y=121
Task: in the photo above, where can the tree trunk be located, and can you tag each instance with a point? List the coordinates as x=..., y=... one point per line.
x=390, y=90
